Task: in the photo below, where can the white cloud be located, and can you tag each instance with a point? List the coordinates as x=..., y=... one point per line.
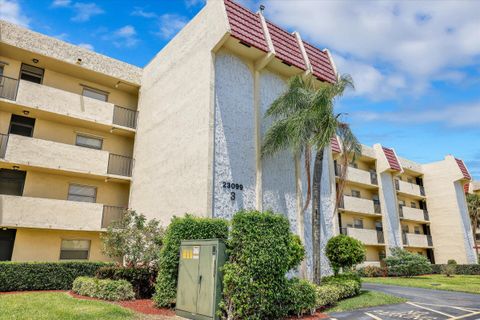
x=419, y=41
x=11, y=11
x=84, y=11
x=170, y=24
x=139, y=12
x=194, y=3
x=125, y=37
x=61, y=3
x=464, y=115
x=87, y=46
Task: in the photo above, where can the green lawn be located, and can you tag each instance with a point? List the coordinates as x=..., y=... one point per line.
x=364, y=300
x=460, y=283
x=58, y=305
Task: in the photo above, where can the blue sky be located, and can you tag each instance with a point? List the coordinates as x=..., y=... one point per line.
x=416, y=65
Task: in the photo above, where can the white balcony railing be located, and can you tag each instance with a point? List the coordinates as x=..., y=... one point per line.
x=74, y=105
x=417, y=240
x=413, y=213
x=367, y=236
x=409, y=188
x=61, y=156
x=358, y=175
x=359, y=205
x=28, y=212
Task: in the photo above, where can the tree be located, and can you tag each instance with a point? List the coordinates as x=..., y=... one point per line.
x=344, y=252
x=403, y=263
x=134, y=239
x=304, y=123
x=473, y=202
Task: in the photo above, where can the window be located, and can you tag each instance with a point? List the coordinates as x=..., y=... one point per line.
x=401, y=203
x=378, y=226
x=74, y=249
x=22, y=125
x=356, y=193
x=413, y=204
x=358, y=223
x=31, y=73
x=82, y=193
x=95, y=94
x=12, y=182
x=416, y=229
x=89, y=141
x=405, y=228
x=410, y=180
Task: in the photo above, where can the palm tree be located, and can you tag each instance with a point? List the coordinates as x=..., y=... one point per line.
x=304, y=122
x=473, y=202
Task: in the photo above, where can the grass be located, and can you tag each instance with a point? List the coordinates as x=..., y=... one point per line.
x=460, y=283
x=58, y=305
x=364, y=300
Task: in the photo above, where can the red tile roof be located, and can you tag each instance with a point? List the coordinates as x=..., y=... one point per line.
x=392, y=159
x=322, y=67
x=245, y=25
x=335, y=145
x=286, y=46
x=464, y=169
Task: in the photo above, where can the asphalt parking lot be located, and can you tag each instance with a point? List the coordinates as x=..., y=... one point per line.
x=422, y=304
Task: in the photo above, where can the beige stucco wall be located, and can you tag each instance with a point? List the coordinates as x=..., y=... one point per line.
x=365, y=235
x=44, y=245
x=412, y=213
x=368, y=222
x=173, y=144
x=358, y=205
x=359, y=175
x=451, y=237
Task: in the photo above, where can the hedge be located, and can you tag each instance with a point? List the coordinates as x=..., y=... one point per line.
x=21, y=276
x=186, y=228
x=142, y=279
x=113, y=290
x=464, y=269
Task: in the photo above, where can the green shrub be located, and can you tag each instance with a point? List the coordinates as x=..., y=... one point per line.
x=449, y=268
x=261, y=251
x=403, y=263
x=372, y=271
x=302, y=297
x=21, y=276
x=142, y=279
x=113, y=290
x=339, y=278
x=463, y=269
x=349, y=284
x=344, y=252
x=327, y=294
x=186, y=228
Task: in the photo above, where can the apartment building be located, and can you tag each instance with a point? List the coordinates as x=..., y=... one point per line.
x=67, y=126
x=196, y=145
x=474, y=187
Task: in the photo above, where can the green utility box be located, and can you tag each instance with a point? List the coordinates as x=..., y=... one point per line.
x=199, y=279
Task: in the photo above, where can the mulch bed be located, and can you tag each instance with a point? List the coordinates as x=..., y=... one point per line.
x=317, y=315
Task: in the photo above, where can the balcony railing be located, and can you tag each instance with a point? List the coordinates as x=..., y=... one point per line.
x=359, y=205
x=8, y=88
x=111, y=214
x=417, y=240
x=367, y=236
x=124, y=117
x=120, y=165
x=3, y=145
x=409, y=188
x=413, y=213
x=357, y=175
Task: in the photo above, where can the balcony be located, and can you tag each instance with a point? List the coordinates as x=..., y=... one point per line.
x=27, y=212
x=358, y=176
x=417, y=240
x=367, y=236
x=409, y=188
x=359, y=205
x=61, y=156
x=66, y=103
x=415, y=214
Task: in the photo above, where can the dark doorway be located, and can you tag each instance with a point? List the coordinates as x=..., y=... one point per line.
x=22, y=125
x=7, y=239
x=12, y=182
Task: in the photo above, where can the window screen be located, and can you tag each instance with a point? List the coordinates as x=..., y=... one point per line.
x=416, y=229
x=89, y=142
x=12, y=182
x=413, y=204
x=356, y=193
x=31, y=73
x=358, y=223
x=77, y=192
x=22, y=125
x=95, y=94
x=74, y=249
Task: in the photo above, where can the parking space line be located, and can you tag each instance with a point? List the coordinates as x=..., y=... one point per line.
x=468, y=309
x=465, y=316
x=372, y=316
x=429, y=309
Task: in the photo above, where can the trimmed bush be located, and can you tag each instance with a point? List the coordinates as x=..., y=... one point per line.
x=21, y=276
x=113, y=290
x=185, y=228
x=463, y=269
x=403, y=263
x=327, y=294
x=142, y=279
x=349, y=284
x=261, y=251
x=339, y=278
x=449, y=268
x=302, y=297
x=372, y=271
x=344, y=252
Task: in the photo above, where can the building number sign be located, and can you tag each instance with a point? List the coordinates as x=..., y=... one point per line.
x=232, y=186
